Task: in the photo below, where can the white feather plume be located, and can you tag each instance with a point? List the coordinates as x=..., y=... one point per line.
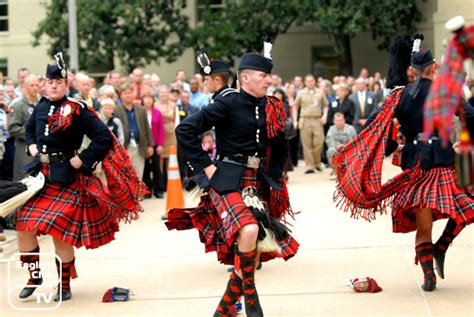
x=203, y=60
x=416, y=45
x=59, y=59
x=267, y=48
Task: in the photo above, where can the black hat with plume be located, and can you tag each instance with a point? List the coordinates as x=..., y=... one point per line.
x=210, y=66
x=58, y=71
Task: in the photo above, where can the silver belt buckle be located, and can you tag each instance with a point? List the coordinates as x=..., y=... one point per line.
x=253, y=162
x=44, y=158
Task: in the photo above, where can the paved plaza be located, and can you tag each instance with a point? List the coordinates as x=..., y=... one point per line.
x=171, y=276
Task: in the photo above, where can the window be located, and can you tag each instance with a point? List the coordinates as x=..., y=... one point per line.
x=214, y=5
x=325, y=61
x=3, y=15
x=4, y=67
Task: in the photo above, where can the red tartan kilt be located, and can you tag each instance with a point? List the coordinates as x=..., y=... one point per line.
x=436, y=189
x=68, y=213
x=218, y=219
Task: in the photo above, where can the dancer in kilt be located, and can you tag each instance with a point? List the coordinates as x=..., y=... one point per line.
x=251, y=153
x=74, y=206
x=426, y=190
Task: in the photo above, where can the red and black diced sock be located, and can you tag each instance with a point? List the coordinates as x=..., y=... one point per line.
x=247, y=263
x=33, y=263
x=68, y=272
x=448, y=235
x=424, y=253
x=232, y=293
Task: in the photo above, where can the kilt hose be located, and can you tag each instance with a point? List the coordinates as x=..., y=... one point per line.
x=71, y=213
x=434, y=188
x=218, y=218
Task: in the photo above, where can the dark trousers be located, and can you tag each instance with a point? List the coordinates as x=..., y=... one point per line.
x=8, y=159
x=152, y=173
x=324, y=157
x=163, y=179
x=294, y=148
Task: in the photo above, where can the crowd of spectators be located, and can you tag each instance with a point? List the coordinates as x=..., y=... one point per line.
x=142, y=112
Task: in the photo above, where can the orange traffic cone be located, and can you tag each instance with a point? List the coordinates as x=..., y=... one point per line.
x=174, y=189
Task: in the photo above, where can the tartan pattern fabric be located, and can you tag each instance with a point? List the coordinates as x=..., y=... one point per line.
x=275, y=116
x=60, y=122
x=279, y=202
x=218, y=219
x=69, y=213
x=219, y=235
x=359, y=165
x=124, y=190
x=446, y=92
x=436, y=189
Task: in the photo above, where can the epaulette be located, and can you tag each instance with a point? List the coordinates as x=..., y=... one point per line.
x=228, y=91
x=80, y=102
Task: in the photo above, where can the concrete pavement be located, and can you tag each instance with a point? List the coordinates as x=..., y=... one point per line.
x=171, y=276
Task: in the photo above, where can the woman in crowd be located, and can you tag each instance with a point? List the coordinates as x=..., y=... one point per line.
x=152, y=175
x=342, y=104
x=167, y=107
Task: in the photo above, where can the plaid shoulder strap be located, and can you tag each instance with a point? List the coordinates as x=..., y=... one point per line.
x=275, y=116
x=359, y=165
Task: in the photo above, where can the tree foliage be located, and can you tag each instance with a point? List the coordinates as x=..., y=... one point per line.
x=241, y=25
x=134, y=32
x=342, y=20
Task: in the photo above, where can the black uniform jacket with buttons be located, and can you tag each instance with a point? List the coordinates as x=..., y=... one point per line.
x=409, y=113
x=67, y=141
x=240, y=125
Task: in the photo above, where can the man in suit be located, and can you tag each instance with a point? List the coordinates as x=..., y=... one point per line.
x=364, y=102
x=138, y=140
x=186, y=108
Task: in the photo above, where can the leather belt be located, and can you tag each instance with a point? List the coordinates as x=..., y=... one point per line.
x=245, y=160
x=419, y=138
x=55, y=157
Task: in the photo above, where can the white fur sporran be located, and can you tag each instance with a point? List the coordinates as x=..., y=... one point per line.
x=269, y=243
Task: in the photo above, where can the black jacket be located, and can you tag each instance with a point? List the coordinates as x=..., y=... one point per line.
x=410, y=116
x=240, y=125
x=68, y=140
x=347, y=108
x=186, y=111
